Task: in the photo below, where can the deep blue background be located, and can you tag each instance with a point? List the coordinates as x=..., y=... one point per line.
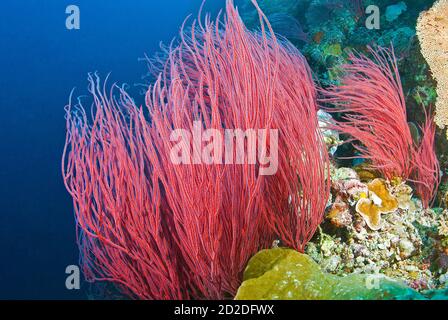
x=40, y=62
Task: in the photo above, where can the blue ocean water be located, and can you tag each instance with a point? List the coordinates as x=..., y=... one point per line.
x=40, y=62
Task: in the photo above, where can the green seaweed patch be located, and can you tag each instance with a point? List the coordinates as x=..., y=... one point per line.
x=285, y=274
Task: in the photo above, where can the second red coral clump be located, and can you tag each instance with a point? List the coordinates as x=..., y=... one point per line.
x=372, y=102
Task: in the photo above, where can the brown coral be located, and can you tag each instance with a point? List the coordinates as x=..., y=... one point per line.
x=432, y=31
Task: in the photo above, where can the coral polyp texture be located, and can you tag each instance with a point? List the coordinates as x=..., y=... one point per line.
x=432, y=31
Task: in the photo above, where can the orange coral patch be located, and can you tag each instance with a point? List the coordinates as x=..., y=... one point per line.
x=380, y=201
x=388, y=202
x=370, y=212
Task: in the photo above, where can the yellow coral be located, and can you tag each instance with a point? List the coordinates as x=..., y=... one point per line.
x=370, y=212
x=380, y=201
x=388, y=203
x=432, y=31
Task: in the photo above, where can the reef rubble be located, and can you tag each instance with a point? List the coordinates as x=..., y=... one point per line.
x=411, y=243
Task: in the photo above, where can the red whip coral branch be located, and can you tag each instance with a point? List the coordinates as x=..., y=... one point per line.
x=371, y=98
x=374, y=112
x=426, y=175
x=224, y=79
x=230, y=78
x=123, y=223
x=298, y=194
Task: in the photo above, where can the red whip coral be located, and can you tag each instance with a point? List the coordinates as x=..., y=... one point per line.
x=374, y=112
x=371, y=98
x=166, y=230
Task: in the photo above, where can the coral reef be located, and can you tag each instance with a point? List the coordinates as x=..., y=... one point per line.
x=406, y=259
x=410, y=245
x=354, y=151
x=408, y=242
x=338, y=27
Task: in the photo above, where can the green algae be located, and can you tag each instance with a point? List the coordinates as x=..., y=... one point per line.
x=285, y=274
